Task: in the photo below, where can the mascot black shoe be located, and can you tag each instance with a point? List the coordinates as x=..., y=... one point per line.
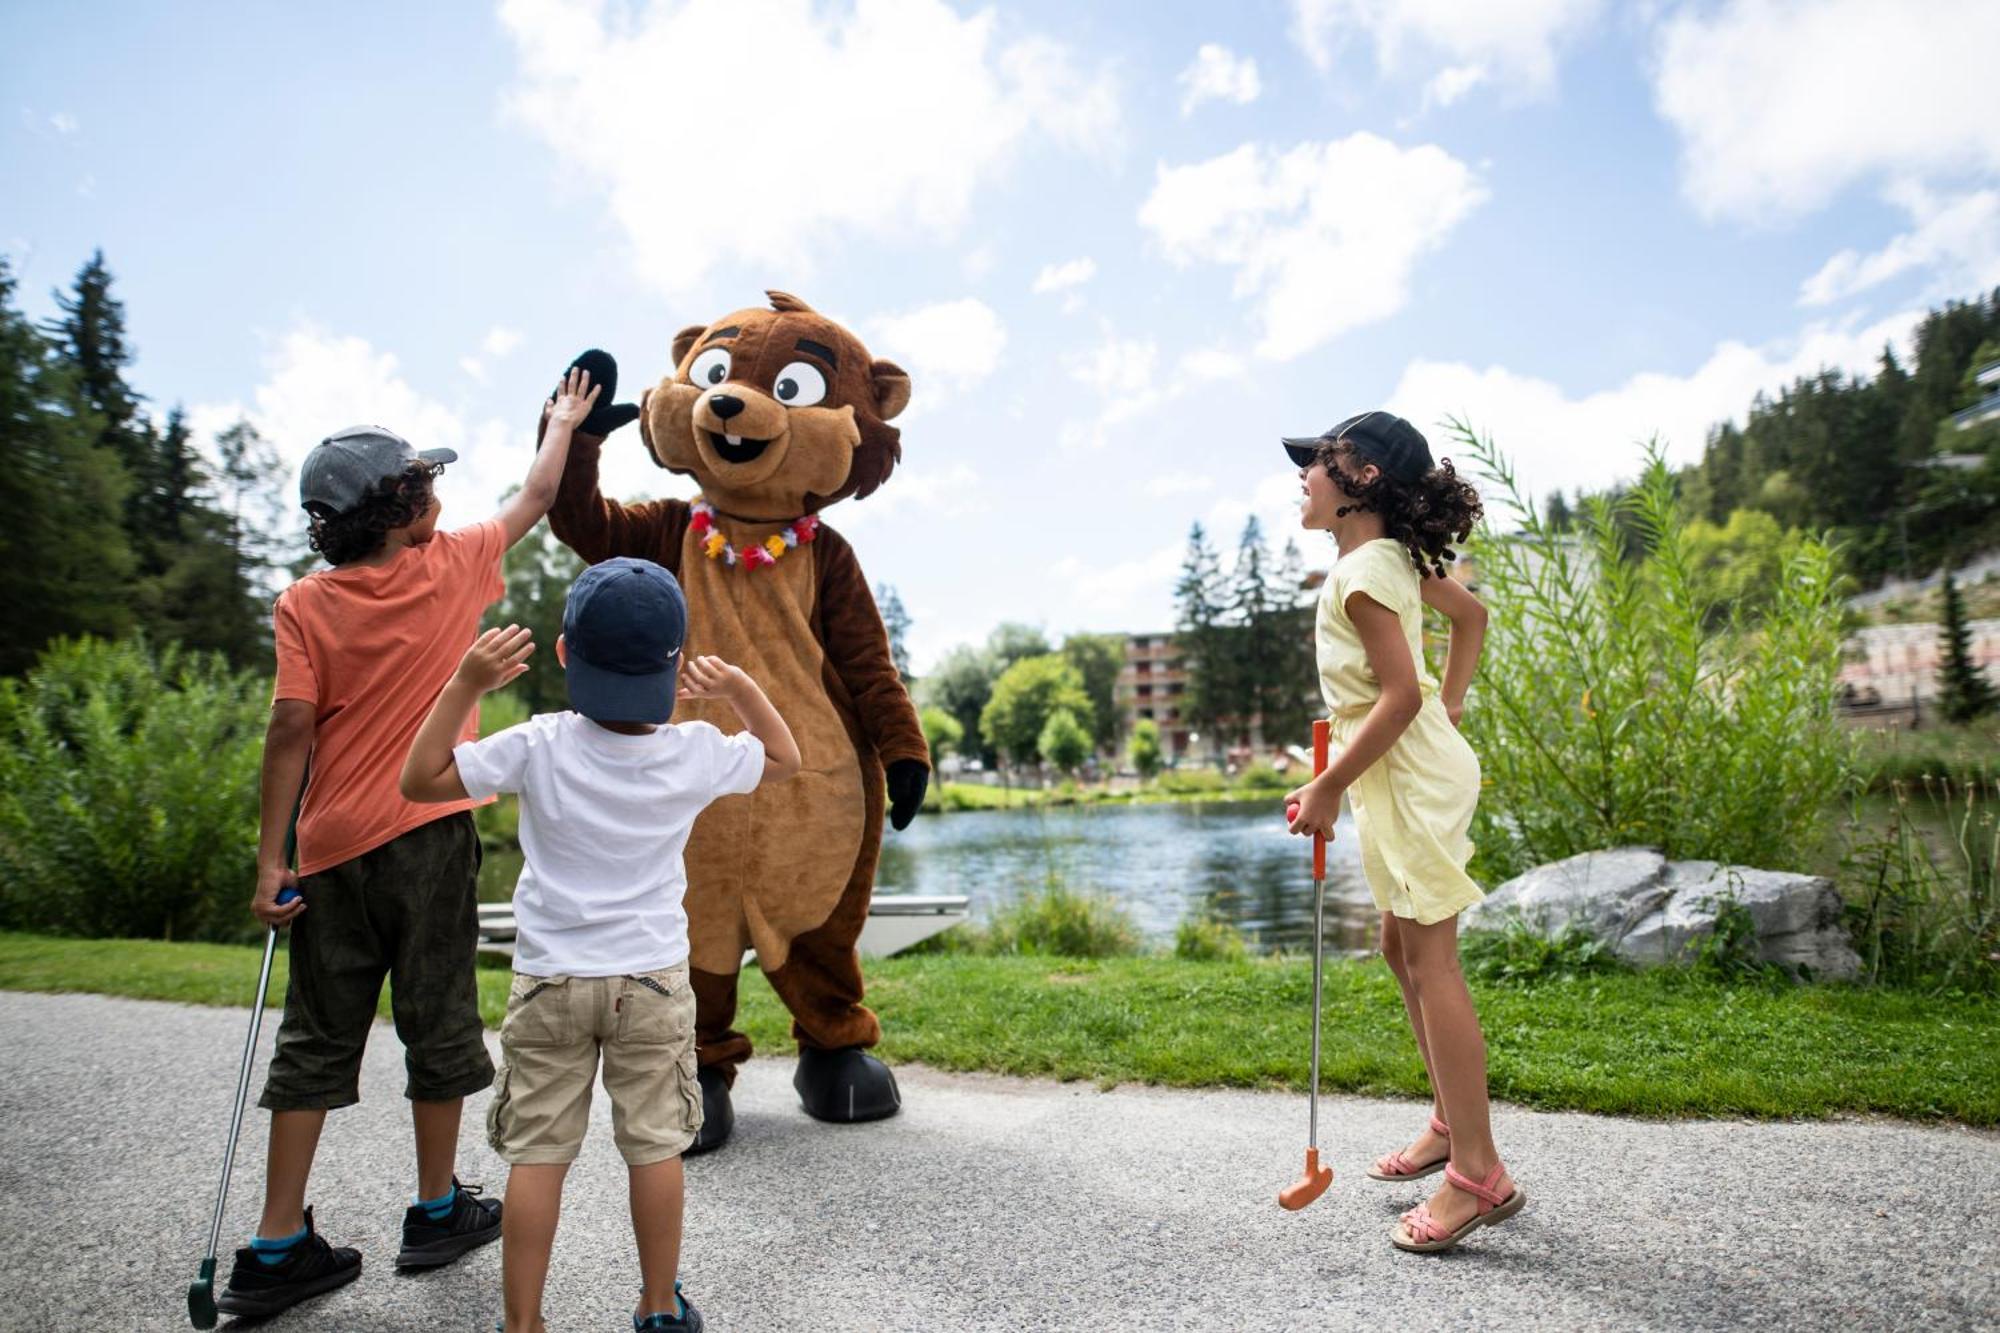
x=718, y=1116
x=845, y=1086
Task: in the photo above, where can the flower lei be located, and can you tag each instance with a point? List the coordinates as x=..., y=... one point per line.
x=755, y=555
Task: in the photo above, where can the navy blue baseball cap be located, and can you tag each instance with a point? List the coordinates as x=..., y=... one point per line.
x=623, y=626
x=1382, y=438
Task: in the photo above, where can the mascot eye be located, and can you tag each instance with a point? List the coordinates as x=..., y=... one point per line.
x=710, y=368
x=800, y=385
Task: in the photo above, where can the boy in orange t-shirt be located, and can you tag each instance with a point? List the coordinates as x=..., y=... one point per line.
x=387, y=887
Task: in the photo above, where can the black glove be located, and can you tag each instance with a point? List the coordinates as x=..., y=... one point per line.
x=908, y=779
x=607, y=416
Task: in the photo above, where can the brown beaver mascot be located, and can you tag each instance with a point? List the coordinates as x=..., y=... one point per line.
x=777, y=414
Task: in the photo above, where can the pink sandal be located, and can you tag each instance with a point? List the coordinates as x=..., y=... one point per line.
x=1427, y=1236
x=1396, y=1166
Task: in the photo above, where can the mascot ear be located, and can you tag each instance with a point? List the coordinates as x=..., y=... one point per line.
x=684, y=340
x=892, y=389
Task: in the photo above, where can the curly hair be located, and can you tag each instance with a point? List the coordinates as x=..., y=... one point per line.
x=393, y=502
x=1426, y=515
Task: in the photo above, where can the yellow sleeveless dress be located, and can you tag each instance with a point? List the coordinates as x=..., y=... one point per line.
x=1413, y=806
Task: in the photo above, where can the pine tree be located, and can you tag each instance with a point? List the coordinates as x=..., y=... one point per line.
x=64, y=562
x=1260, y=635
x=1295, y=700
x=1202, y=636
x=92, y=332
x=897, y=621
x=1964, y=693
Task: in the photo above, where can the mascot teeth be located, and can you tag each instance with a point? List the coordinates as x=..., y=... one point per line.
x=733, y=439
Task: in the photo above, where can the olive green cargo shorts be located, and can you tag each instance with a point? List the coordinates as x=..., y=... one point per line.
x=558, y=1029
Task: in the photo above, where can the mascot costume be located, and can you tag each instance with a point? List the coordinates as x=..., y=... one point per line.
x=777, y=414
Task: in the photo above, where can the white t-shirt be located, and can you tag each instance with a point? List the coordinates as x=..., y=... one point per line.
x=604, y=820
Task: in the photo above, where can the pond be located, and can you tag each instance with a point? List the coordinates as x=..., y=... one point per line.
x=1231, y=860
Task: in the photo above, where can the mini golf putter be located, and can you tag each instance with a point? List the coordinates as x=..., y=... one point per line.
x=201, y=1292
x=1316, y=1178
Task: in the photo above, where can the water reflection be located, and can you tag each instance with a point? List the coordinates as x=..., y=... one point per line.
x=1231, y=860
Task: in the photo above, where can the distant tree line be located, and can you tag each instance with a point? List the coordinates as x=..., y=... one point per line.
x=112, y=521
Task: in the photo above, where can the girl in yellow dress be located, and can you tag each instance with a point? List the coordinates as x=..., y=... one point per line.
x=1410, y=777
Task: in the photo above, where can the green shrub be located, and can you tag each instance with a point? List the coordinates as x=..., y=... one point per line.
x=128, y=793
x=1204, y=940
x=1924, y=903
x=1058, y=921
x=1962, y=755
x=1192, y=782
x=1609, y=710
x=1514, y=951
x=1261, y=777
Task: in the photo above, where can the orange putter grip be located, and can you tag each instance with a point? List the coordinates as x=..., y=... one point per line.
x=1322, y=734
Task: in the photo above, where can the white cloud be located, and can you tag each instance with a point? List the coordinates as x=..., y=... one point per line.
x=62, y=122
x=1143, y=581
x=765, y=132
x=1592, y=441
x=1211, y=363
x=1218, y=75
x=1316, y=263
x=497, y=345
x=1782, y=103
x=1061, y=277
x=1448, y=85
x=1179, y=483
x=1956, y=236
x=315, y=382
x=1512, y=41
x=947, y=347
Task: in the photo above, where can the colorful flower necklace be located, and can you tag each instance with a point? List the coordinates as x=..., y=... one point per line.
x=799, y=532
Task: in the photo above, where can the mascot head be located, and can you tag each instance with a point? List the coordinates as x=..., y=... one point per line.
x=776, y=412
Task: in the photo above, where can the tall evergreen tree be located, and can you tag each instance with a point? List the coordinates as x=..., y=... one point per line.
x=1964, y=693
x=1295, y=701
x=92, y=333
x=1261, y=636
x=64, y=561
x=897, y=621
x=1201, y=635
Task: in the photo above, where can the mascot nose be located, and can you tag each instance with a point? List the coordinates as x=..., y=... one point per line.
x=724, y=405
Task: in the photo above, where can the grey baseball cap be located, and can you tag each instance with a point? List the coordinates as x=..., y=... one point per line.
x=341, y=467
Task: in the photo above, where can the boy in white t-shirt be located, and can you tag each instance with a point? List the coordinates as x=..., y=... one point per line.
x=608, y=795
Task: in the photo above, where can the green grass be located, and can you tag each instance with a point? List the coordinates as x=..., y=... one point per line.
x=1258, y=783
x=1651, y=1044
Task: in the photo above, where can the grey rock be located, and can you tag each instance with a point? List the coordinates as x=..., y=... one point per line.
x=1655, y=912
x=1797, y=919
x=1605, y=893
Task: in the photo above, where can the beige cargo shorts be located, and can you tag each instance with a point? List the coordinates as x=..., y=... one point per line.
x=556, y=1031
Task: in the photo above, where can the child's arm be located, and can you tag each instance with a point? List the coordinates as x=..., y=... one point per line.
x=288, y=742
x=713, y=678
x=1468, y=636
x=1381, y=632
x=524, y=508
x=430, y=773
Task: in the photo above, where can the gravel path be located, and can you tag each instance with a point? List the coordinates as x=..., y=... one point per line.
x=997, y=1203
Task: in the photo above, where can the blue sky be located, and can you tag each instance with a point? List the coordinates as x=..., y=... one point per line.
x=1120, y=247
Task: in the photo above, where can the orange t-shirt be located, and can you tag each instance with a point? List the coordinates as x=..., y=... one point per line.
x=370, y=647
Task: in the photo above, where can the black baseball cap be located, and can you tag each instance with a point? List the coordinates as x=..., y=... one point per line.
x=1382, y=438
x=623, y=626
x=340, y=469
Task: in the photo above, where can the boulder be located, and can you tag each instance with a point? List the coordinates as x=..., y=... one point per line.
x=1606, y=893
x=1654, y=912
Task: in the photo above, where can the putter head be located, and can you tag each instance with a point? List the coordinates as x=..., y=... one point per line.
x=201, y=1296
x=1309, y=1186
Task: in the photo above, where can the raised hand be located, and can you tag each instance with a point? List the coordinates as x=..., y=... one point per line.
x=496, y=657
x=712, y=678
x=573, y=401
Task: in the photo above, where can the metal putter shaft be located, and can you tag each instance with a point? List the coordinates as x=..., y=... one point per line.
x=201, y=1292
x=1316, y=1178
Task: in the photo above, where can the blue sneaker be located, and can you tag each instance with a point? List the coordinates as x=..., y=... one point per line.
x=689, y=1321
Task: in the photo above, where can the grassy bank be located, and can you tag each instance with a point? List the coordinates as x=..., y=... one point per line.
x=1664, y=1044
x=1185, y=788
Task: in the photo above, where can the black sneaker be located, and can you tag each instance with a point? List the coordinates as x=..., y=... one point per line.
x=258, y=1289
x=434, y=1242
x=689, y=1322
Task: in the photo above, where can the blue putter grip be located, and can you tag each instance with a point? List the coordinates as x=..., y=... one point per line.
x=286, y=895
